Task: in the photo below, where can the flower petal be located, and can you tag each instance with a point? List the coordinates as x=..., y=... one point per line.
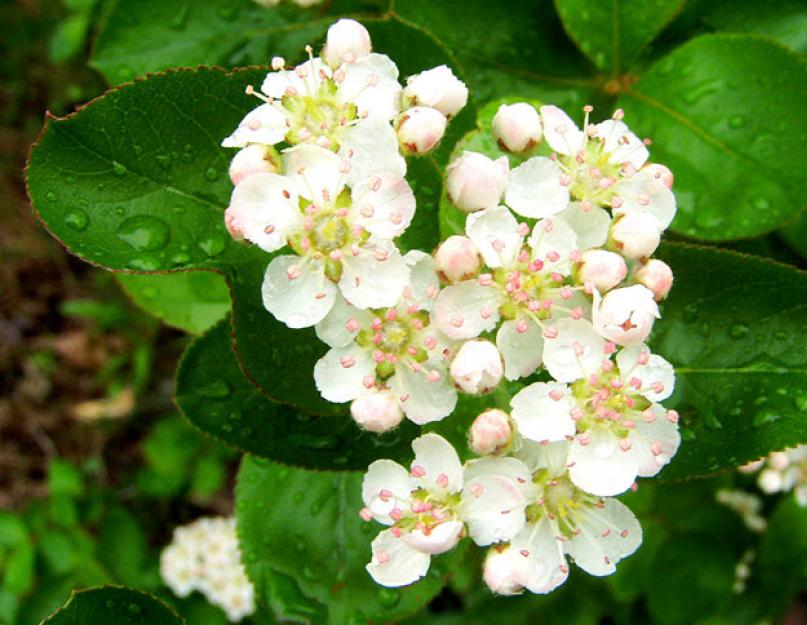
x=421, y=400
x=591, y=226
x=265, y=208
x=383, y=205
x=389, y=476
x=395, y=563
x=576, y=351
x=521, y=351
x=441, y=538
x=465, y=310
x=624, y=146
x=265, y=124
x=440, y=464
x=542, y=411
x=552, y=457
x=368, y=282
x=371, y=83
x=601, y=467
x=655, y=440
x=546, y=567
x=371, y=146
x=560, y=132
x=535, y=190
x=643, y=193
x=495, y=232
x=553, y=238
x=334, y=330
x=315, y=171
x=606, y=536
x=300, y=301
x=340, y=373
x=424, y=284
x=657, y=376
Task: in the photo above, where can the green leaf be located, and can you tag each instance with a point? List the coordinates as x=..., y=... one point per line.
x=783, y=554
x=722, y=111
x=122, y=546
x=733, y=327
x=305, y=525
x=111, y=605
x=796, y=235
x=215, y=396
x=612, y=33
x=64, y=479
x=190, y=301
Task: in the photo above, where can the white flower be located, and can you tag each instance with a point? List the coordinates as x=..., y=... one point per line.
x=785, y=471
x=604, y=270
x=253, y=159
x=477, y=367
x=491, y=432
x=561, y=520
x=394, y=349
x=474, y=182
x=605, y=165
x=517, y=127
x=657, y=276
x=204, y=557
x=437, y=88
x=423, y=507
x=457, y=259
x=529, y=286
x=347, y=42
x=376, y=411
x=635, y=235
x=747, y=505
x=340, y=232
x=626, y=315
x=610, y=410
x=420, y=129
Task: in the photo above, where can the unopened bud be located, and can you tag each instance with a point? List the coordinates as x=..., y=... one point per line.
x=625, y=316
x=475, y=182
x=635, y=235
x=347, y=41
x=437, y=88
x=254, y=159
x=457, y=259
x=602, y=269
x=505, y=570
x=657, y=276
x=420, y=129
x=231, y=223
x=660, y=173
x=376, y=411
x=477, y=368
x=517, y=127
x=491, y=432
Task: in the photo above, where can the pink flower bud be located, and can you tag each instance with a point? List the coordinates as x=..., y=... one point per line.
x=491, y=432
x=635, y=235
x=505, y=570
x=474, y=181
x=254, y=159
x=376, y=411
x=603, y=269
x=477, y=367
x=347, y=41
x=657, y=276
x=517, y=127
x=231, y=223
x=660, y=173
x=437, y=88
x=625, y=316
x=420, y=129
x=457, y=259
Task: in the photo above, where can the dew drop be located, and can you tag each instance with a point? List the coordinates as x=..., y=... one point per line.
x=180, y=258
x=736, y=121
x=50, y=196
x=761, y=203
x=77, y=220
x=119, y=168
x=713, y=423
x=213, y=244
x=120, y=211
x=145, y=262
x=212, y=174
x=144, y=232
x=219, y=389
x=801, y=402
x=738, y=330
x=765, y=417
x=388, y=597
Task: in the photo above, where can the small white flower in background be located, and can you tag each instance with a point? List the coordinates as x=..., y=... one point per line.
x=602, y=269
x=784, y=471
x=475, y=182
x=422, y=506
x=347, y=41
x=562, y=520
x=394, y=350
x=437, y=88
x=528, y=284
x=605, y=165
x=420, y=129
x=204, y=557
x=517, y=127
x=747, y=505
x=457, y=258
x=339, y=227
x=657, y=276
x=303, y=4
x=626, y=315
x=609, y=411
x=491, y=432
x=477, y=367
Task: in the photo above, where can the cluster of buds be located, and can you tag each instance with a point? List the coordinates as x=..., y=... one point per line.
x=204, y=557
x=782, y=472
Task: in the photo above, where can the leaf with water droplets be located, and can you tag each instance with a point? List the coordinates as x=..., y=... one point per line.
x=737, y=384
x=113, y=606
x=723, y=111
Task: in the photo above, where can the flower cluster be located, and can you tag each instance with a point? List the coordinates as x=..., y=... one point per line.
x=782, y=472
x=204, y=556
x=554, y=275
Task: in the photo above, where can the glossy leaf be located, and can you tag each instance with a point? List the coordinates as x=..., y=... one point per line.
x=190, y=301
x=722, y=110
x=612, y=33
x=783, y=20
x=305, y=526
x=732, y=327
x=113, y=606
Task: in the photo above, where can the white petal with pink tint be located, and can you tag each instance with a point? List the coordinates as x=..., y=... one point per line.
x=371, y=147
x=657, y=376
x=601, y=467
x=552, y=241
x=535, y=190
x=265, y=208
x=643, y=193
x=369, y=282
x=442, y=538
x=590, y=226
x=542, y=412
x=441, y=467
x=495, y=233
x=297, y=292
x=465, y=310
x=521, y=345
x=265, y=124
x=337, y=328
x=386, y=485
x=421, y=399
x=575, y=352
x=383, y=205
x=623, y=145
x=371, y=83
x=560, y=132
x=395, y=563
x=315, y=172
x=655, y=441
x=340, y=373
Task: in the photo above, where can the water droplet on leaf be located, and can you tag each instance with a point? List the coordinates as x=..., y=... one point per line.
x=144, y=232
x=77, y=220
